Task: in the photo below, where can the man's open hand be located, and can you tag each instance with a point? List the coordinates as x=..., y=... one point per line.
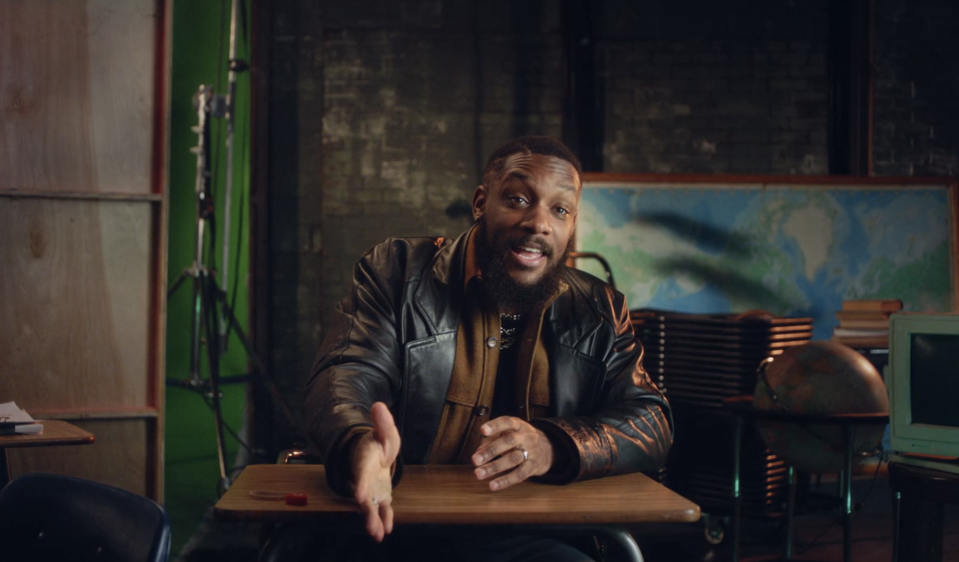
x=373, y=458
x=502, y=452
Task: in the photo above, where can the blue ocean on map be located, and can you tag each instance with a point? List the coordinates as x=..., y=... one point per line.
x=791, y=250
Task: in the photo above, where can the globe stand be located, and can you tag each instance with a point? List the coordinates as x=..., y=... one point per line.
x=742, y=409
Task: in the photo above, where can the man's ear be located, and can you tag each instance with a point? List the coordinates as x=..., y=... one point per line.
x=479, y=202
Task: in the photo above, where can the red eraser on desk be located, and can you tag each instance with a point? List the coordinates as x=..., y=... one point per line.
x=296, y=499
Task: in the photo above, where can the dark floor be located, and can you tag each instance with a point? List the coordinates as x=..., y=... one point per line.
x=818, y=534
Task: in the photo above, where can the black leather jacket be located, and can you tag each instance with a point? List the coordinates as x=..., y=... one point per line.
x=394, y=340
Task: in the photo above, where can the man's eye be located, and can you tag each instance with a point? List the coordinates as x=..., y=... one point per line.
x=562, y=211
x=518, y=199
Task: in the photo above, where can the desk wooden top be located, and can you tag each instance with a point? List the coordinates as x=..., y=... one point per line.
x=743, y=405
x=55, y=432
x=437, y=494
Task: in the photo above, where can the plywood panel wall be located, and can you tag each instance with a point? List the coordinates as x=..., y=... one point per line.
x=76, y=296
x=84, y=112
x=77, y=94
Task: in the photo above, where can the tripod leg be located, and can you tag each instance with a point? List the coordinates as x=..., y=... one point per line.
x=179, y=281
x=196, y=328
x=258, y=366
x=213, y=349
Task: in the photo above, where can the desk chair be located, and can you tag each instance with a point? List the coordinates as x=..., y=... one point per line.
x=53, y=517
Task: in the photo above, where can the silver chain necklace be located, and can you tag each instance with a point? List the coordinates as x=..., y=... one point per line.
x=509, y=325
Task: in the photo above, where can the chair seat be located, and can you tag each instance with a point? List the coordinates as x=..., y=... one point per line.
x=54, y=517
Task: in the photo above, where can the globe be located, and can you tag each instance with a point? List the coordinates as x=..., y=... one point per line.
x=822, y=378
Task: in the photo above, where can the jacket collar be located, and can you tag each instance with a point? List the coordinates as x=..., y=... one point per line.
x=439, y=295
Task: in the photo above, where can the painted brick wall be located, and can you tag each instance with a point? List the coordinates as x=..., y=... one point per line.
x=916, y=88
x=383, y=112
x=403, y=128
x=712, y=87
x=382, y=116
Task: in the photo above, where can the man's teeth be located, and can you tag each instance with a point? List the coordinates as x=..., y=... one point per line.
x=532, y=250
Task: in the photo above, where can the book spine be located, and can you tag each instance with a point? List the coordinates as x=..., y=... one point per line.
x=884, y=305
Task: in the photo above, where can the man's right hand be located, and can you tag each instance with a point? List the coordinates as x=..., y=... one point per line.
x=373, y=457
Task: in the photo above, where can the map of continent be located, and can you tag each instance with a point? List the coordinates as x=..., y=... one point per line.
x=793, y=250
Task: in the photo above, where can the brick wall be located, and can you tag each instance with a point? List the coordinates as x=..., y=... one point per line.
x=382, y=116
x=405, y=118
x=383, y=112
x=916, y=88
x=712, y=87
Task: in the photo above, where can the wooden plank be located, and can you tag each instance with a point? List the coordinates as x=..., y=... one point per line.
x=55, y=432
x=93, y=196
x=76, y=292
x=81, y=414
x=78, y=83
x=122, y=46
x=121, y=456
x=446, y=494
x=163, y=57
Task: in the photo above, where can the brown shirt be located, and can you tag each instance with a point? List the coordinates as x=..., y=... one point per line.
x=470, y=397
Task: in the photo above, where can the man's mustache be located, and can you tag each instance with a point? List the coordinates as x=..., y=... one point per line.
x=534, y=242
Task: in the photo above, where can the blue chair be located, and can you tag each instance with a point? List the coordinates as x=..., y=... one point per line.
x=53, y=517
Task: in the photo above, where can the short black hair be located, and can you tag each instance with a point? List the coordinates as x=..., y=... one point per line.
x=547, y=146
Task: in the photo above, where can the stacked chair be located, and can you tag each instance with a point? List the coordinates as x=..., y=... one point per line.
x=698, y=360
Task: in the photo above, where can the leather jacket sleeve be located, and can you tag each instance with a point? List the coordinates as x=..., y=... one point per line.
x=630, y=429
x=356, y=366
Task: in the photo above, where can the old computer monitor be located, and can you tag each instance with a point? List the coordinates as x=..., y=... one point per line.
x=923, y=382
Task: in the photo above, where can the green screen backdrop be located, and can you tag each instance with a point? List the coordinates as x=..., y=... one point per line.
x=201, y=49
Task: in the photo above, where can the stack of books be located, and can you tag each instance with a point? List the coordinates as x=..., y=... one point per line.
x=864, y=324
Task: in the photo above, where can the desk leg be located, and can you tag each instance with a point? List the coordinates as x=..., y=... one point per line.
x=737, y=492
x=896, y=499
x=4, y=467
x=920, y=530
x=293, y=542
x=790, y=510
x=850, y=432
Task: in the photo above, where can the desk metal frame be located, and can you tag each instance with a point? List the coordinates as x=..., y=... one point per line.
x=741, y=407
x=276, y=546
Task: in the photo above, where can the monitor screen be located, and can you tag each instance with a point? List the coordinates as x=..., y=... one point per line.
x=923, y=382
x=934, y=379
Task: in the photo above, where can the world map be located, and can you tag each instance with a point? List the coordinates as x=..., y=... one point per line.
x=793, y=250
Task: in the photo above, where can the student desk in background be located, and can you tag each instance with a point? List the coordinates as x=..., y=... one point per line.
x=55, y=432
x=742, y=409
x=919, y=493
x=451, y=495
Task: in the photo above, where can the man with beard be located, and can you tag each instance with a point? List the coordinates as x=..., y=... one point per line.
x=487, y=351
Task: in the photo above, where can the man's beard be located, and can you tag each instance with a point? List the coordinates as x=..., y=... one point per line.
x=511, y=296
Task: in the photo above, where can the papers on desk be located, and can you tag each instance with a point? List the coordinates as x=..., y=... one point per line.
x=15, y=421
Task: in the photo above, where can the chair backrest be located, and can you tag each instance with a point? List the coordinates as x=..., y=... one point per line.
x=53, y=517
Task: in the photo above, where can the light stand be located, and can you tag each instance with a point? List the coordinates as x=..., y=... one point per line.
x=235, y=66
x=205, y=291
x=213, y=317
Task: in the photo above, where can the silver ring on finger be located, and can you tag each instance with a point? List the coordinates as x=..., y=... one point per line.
x=525, y=453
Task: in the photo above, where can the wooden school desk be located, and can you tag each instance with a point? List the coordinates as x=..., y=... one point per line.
x=451, y=495
x=55, y=432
